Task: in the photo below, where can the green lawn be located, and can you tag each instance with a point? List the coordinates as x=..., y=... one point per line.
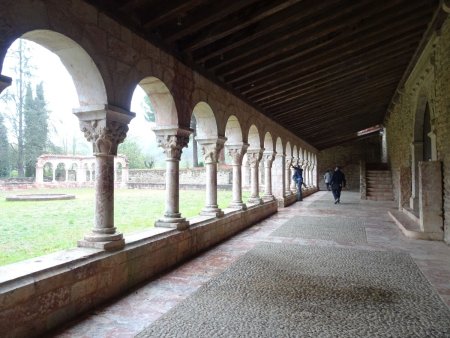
x=30, y=229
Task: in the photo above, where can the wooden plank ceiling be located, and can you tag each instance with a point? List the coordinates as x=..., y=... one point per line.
x=323, y=69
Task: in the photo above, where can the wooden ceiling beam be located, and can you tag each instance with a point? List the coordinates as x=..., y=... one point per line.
x=205, y=16
x=325, y=57
x=299, y=34
x=235, y=24
x=350, y=79
x=340, y=24
x=274, y=24
x=333, y=68
x=169, y=10
x=340, y=48
x=378, y=65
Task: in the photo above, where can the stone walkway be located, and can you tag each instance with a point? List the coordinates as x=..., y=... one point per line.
x=131, y=314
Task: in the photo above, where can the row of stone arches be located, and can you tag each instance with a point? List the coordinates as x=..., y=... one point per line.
x=237, y=129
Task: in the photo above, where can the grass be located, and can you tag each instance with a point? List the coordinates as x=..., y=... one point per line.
x=31, y=229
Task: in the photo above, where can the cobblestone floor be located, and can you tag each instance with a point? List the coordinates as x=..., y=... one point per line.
x=132, y=313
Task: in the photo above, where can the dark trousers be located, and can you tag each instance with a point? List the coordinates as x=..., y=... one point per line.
x=299, y=192
x=328, y=186
x=336, y=192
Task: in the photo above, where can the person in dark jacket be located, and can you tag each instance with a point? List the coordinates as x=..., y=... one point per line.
x=337, y=183
x=298, y=179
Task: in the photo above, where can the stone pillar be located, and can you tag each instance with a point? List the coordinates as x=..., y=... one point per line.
x=254, y=156
x=384, y=150
x=430, y=198
x=172, y=140
x=278, y=173
x=245, y=172
x=81, y=174
x=236, y=152
x=288, y=176
x=39, y=172
x=5, y=82
x=211, y=149
x=362, y=180
x=416, y=156
x=404, y=187
x=53, y=173
x=125, y=175
x=67, y=173
x=268, y=161
x=293, y=184
x=106, y=128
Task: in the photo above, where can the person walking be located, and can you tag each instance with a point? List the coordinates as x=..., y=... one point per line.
x=298, y=179
x=337, y=183
x=327, y=179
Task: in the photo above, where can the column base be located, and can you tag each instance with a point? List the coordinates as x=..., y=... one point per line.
x=216, y=212
x=268, y=198
x=173, y=223
x=102, y=241
x=238, y=205
x=255, y=200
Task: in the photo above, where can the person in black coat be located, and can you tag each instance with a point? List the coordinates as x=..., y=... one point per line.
x=337, y=183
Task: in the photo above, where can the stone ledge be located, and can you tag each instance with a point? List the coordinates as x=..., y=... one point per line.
x=411, y=229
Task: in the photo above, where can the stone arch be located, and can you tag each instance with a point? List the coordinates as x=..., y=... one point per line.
x=72, y=175
x=268, y=142
x=423, y=145
x=295, y=153
x=161, y=100
x=254, y=138
x=86, y=76
x=47, y=172
x=279, y=146
x=233, y=130
x=60, y=172
x=206, y=121
x=288, y=149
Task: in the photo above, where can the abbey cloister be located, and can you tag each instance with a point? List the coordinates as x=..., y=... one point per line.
x=107, y=59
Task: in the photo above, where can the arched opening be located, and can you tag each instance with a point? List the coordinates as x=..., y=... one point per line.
x=211, y=145
x=87, y=172
x=235, y=151
x=60, y=172
x=48, y=172
x=118, y=175
x=72, y=175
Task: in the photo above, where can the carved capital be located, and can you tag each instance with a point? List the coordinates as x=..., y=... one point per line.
x=236, y=152
x=211, y=149
x=268, y=158
x=172, y=145
x=104, y=135
x=172, y=140
x=254, y=156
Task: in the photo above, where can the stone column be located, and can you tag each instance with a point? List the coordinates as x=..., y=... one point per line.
x=39, y=172
x=416, y=156
x=245, y=172
x=268, y=161
x=293, y=184
x=211, y=149
x=306, y=173
x=254, y=156
x=430, y=199
x=125, y=175
x=172, y=141
x=236, y=152
x=106, y=128
x=362, y=180
x=81, y=174
x=278, y=173
x=53, y=173
x=288, y=175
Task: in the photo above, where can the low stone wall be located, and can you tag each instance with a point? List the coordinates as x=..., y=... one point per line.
x=162, y=186
x=194, y=176
x=36, y=302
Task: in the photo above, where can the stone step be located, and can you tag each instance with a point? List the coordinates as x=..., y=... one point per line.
x=411, y=228
x=379, y=185
x=379, y=190
x=379, y=198
x=378, y=173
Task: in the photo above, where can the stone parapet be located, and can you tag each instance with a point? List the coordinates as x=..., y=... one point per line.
x=40, y=294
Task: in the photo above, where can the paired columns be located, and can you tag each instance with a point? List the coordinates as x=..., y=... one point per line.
x=172, y=140
x=254, y=156
x=288, y=175
x=269, y=157
x=105, y=127
x=236, y=152
x=211, y=149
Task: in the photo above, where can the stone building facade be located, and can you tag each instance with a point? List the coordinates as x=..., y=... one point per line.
x=418, y=125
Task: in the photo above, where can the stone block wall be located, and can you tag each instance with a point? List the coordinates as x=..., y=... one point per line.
x=348, y=157
x=195, y=176
x=38, y=301
x=428, y=82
